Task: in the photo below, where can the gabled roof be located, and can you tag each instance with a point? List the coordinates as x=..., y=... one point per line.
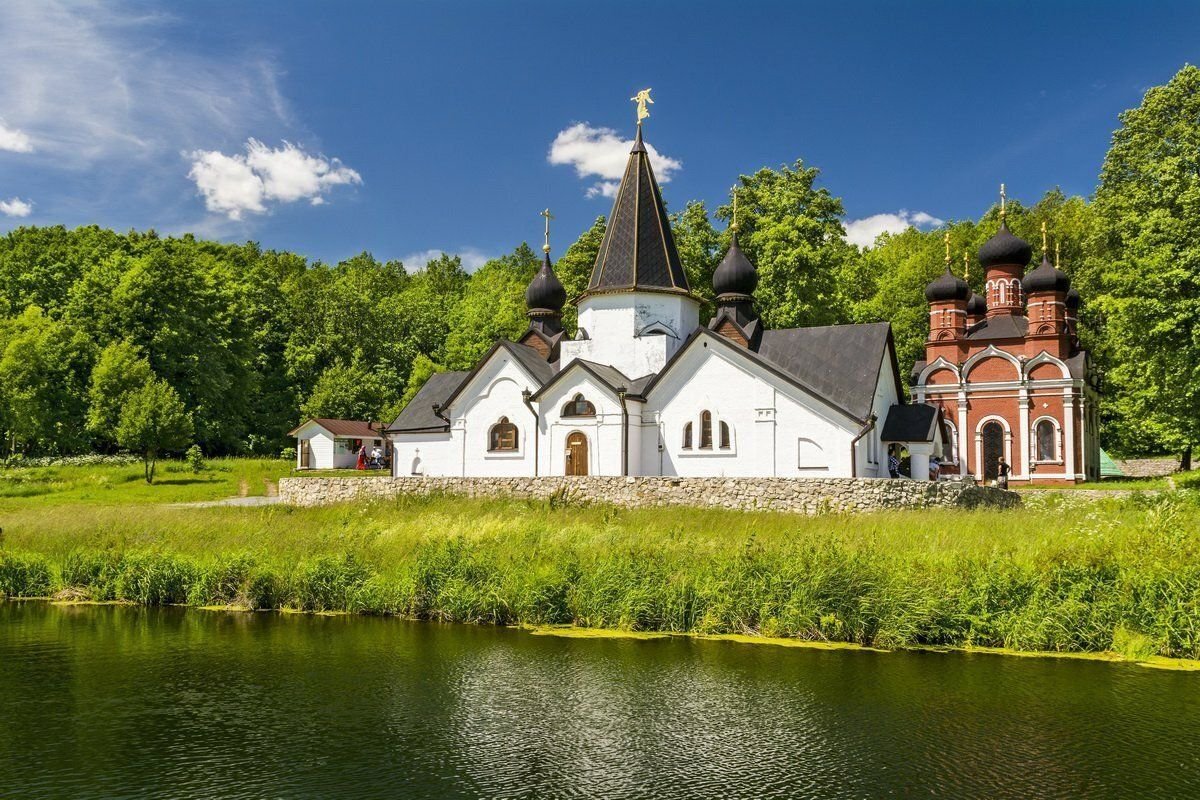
x=610, y=377
x=912, y=422
x=523, y=354
x=418, y=415
x=836, y=364
x=351, y=428
x=638, y=250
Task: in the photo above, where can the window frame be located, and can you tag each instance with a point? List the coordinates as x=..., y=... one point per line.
x=569, y=409
x=1035, y=441
x=706, y=430
x=494, y=445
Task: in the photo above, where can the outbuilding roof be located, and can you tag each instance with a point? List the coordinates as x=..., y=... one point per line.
x=348, y=428
x=912, y=422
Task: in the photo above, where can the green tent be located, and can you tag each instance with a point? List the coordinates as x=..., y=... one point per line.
x=1108, y=467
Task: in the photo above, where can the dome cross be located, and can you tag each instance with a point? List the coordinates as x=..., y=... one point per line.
x=548, y=216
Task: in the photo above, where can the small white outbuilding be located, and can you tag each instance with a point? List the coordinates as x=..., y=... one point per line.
x=334, y=443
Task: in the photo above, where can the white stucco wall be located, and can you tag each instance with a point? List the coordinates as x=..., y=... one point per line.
x=430, y=454
x=603, y=431
x=324, y=452
x=621, y=329
x=773, y=424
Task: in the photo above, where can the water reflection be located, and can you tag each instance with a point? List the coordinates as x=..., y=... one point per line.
x=133, y=702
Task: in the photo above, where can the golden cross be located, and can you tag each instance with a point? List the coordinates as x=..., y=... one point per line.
x=548, y=216
x=1045, y=247
x=1057, y=254
x=966, y=265
x=642, y=99
x=1003, y=197
x=734, y=224
x=946, y=239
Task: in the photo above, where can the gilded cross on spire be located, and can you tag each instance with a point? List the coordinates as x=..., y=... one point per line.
x=966, y=266
x=946, y=239
x=1003, y=197
x=1045, y=247
x=548, y=216
x=1057, y=254
x=642, y=99
x=734, y=224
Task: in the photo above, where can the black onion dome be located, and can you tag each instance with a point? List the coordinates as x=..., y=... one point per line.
x=735, y=274
x=1005, y=248
x=546, y=291
x=947, y=286
x=1046, y=278
x=976, y=306
x=1073, y=299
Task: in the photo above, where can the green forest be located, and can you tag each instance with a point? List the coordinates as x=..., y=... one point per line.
x=133, y=341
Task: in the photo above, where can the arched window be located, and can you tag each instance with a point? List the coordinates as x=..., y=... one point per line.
x=706, y=430
x=949, y=442
x=724, y=429
x=1046, y=436
x=503, y=436
x=687, y=436
x=578, y=407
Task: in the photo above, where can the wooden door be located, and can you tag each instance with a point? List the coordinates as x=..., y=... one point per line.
x=577, y=454
x=993, y=450
x=305, y=454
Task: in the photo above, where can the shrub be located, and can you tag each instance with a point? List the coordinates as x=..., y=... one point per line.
x=24, y=575
x=195, y=459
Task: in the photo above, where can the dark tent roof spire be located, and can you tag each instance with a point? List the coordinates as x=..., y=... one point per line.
x=638, y=252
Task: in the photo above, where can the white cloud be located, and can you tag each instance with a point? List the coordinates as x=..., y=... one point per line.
x=863, y=232
x=13, y=140
x=602, y=153
x=16, y=207
x=236, y=184
x=472, y=259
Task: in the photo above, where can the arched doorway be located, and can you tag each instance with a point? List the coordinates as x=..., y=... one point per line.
x=993, y=449
x=577, y=454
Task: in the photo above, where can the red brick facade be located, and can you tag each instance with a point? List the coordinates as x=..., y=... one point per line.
x=1012, y=381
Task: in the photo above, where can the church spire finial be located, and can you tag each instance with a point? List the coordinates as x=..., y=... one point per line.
x=946, y=239
x=642, y=99
x=733, y=225
x=548, y=216
x=1058, y=255
x=966, y=266
x=1003, y=197
x=1045, y=246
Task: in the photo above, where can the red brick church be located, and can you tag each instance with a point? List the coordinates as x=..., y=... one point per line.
x=1007, y=371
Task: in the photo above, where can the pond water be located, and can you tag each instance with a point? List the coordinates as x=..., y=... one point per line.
x=137, y=702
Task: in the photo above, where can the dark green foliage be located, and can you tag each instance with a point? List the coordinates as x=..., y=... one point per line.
x=24, y=575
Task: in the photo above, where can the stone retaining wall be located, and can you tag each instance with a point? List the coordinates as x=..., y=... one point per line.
x=1149, y=467
x=798, y=495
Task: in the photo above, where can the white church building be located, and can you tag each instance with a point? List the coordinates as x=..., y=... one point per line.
x=644, y=388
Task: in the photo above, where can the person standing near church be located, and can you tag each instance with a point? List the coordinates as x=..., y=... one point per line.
x=1002, y=470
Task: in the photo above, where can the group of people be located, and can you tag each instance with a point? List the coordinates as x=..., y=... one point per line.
x=372, y=460
x=935, y=468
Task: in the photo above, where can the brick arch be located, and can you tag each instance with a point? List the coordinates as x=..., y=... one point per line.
x=993, y=368
x=942, y=376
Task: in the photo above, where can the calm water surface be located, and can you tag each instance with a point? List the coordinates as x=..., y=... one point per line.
x=134, y=702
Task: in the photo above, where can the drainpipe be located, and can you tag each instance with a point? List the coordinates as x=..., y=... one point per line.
x=437, y=412
x=624, y=432
x=853, y=442
x=526, y=397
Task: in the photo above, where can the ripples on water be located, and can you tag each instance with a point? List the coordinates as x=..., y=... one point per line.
x=132, y=702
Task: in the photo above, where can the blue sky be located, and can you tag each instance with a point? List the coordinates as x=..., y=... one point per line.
x=402, y=128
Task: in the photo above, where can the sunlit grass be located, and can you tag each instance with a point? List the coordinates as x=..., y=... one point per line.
x=1059, y=575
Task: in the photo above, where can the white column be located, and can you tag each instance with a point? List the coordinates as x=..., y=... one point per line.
x=1023, y=435
x=1069, y=433
x=1083, y=435
x=963, y=467
x=918, y=460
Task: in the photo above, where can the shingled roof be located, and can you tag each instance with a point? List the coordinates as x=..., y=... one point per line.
x=638, y=250
x=418, y=416
x=345, y=428
x=837, y=364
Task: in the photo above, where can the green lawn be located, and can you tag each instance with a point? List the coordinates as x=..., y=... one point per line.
x=44, y=487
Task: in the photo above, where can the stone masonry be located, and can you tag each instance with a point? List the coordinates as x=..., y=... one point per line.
x=796, y=495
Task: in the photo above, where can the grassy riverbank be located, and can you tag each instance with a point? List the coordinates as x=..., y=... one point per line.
x=1059, y=575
